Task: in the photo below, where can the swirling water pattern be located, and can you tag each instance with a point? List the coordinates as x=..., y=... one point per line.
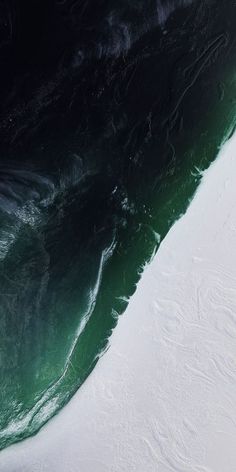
x=109, y=114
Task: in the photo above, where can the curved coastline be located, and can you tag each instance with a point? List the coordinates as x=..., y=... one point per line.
x=163, y=394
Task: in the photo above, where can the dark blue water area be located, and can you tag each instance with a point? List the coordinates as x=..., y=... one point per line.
x=109, y=111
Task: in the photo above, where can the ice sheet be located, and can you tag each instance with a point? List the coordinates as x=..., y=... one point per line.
x=162, y=399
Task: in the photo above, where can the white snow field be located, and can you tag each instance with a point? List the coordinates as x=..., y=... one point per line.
x=163, y=398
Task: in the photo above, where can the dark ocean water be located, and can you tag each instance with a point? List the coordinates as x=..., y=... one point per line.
x=109, y=113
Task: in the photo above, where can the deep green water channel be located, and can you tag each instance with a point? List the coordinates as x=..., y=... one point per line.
x=109, y=116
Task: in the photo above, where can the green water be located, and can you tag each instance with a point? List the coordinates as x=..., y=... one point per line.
x=74, y=258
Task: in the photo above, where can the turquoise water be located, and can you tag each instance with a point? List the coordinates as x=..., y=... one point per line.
x=102, y=151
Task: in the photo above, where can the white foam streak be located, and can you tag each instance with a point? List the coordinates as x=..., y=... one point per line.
x=163, y=396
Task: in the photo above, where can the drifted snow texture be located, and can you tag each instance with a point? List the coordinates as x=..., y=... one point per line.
x=163, y=397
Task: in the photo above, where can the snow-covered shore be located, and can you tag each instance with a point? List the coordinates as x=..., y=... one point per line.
x=162, y=399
